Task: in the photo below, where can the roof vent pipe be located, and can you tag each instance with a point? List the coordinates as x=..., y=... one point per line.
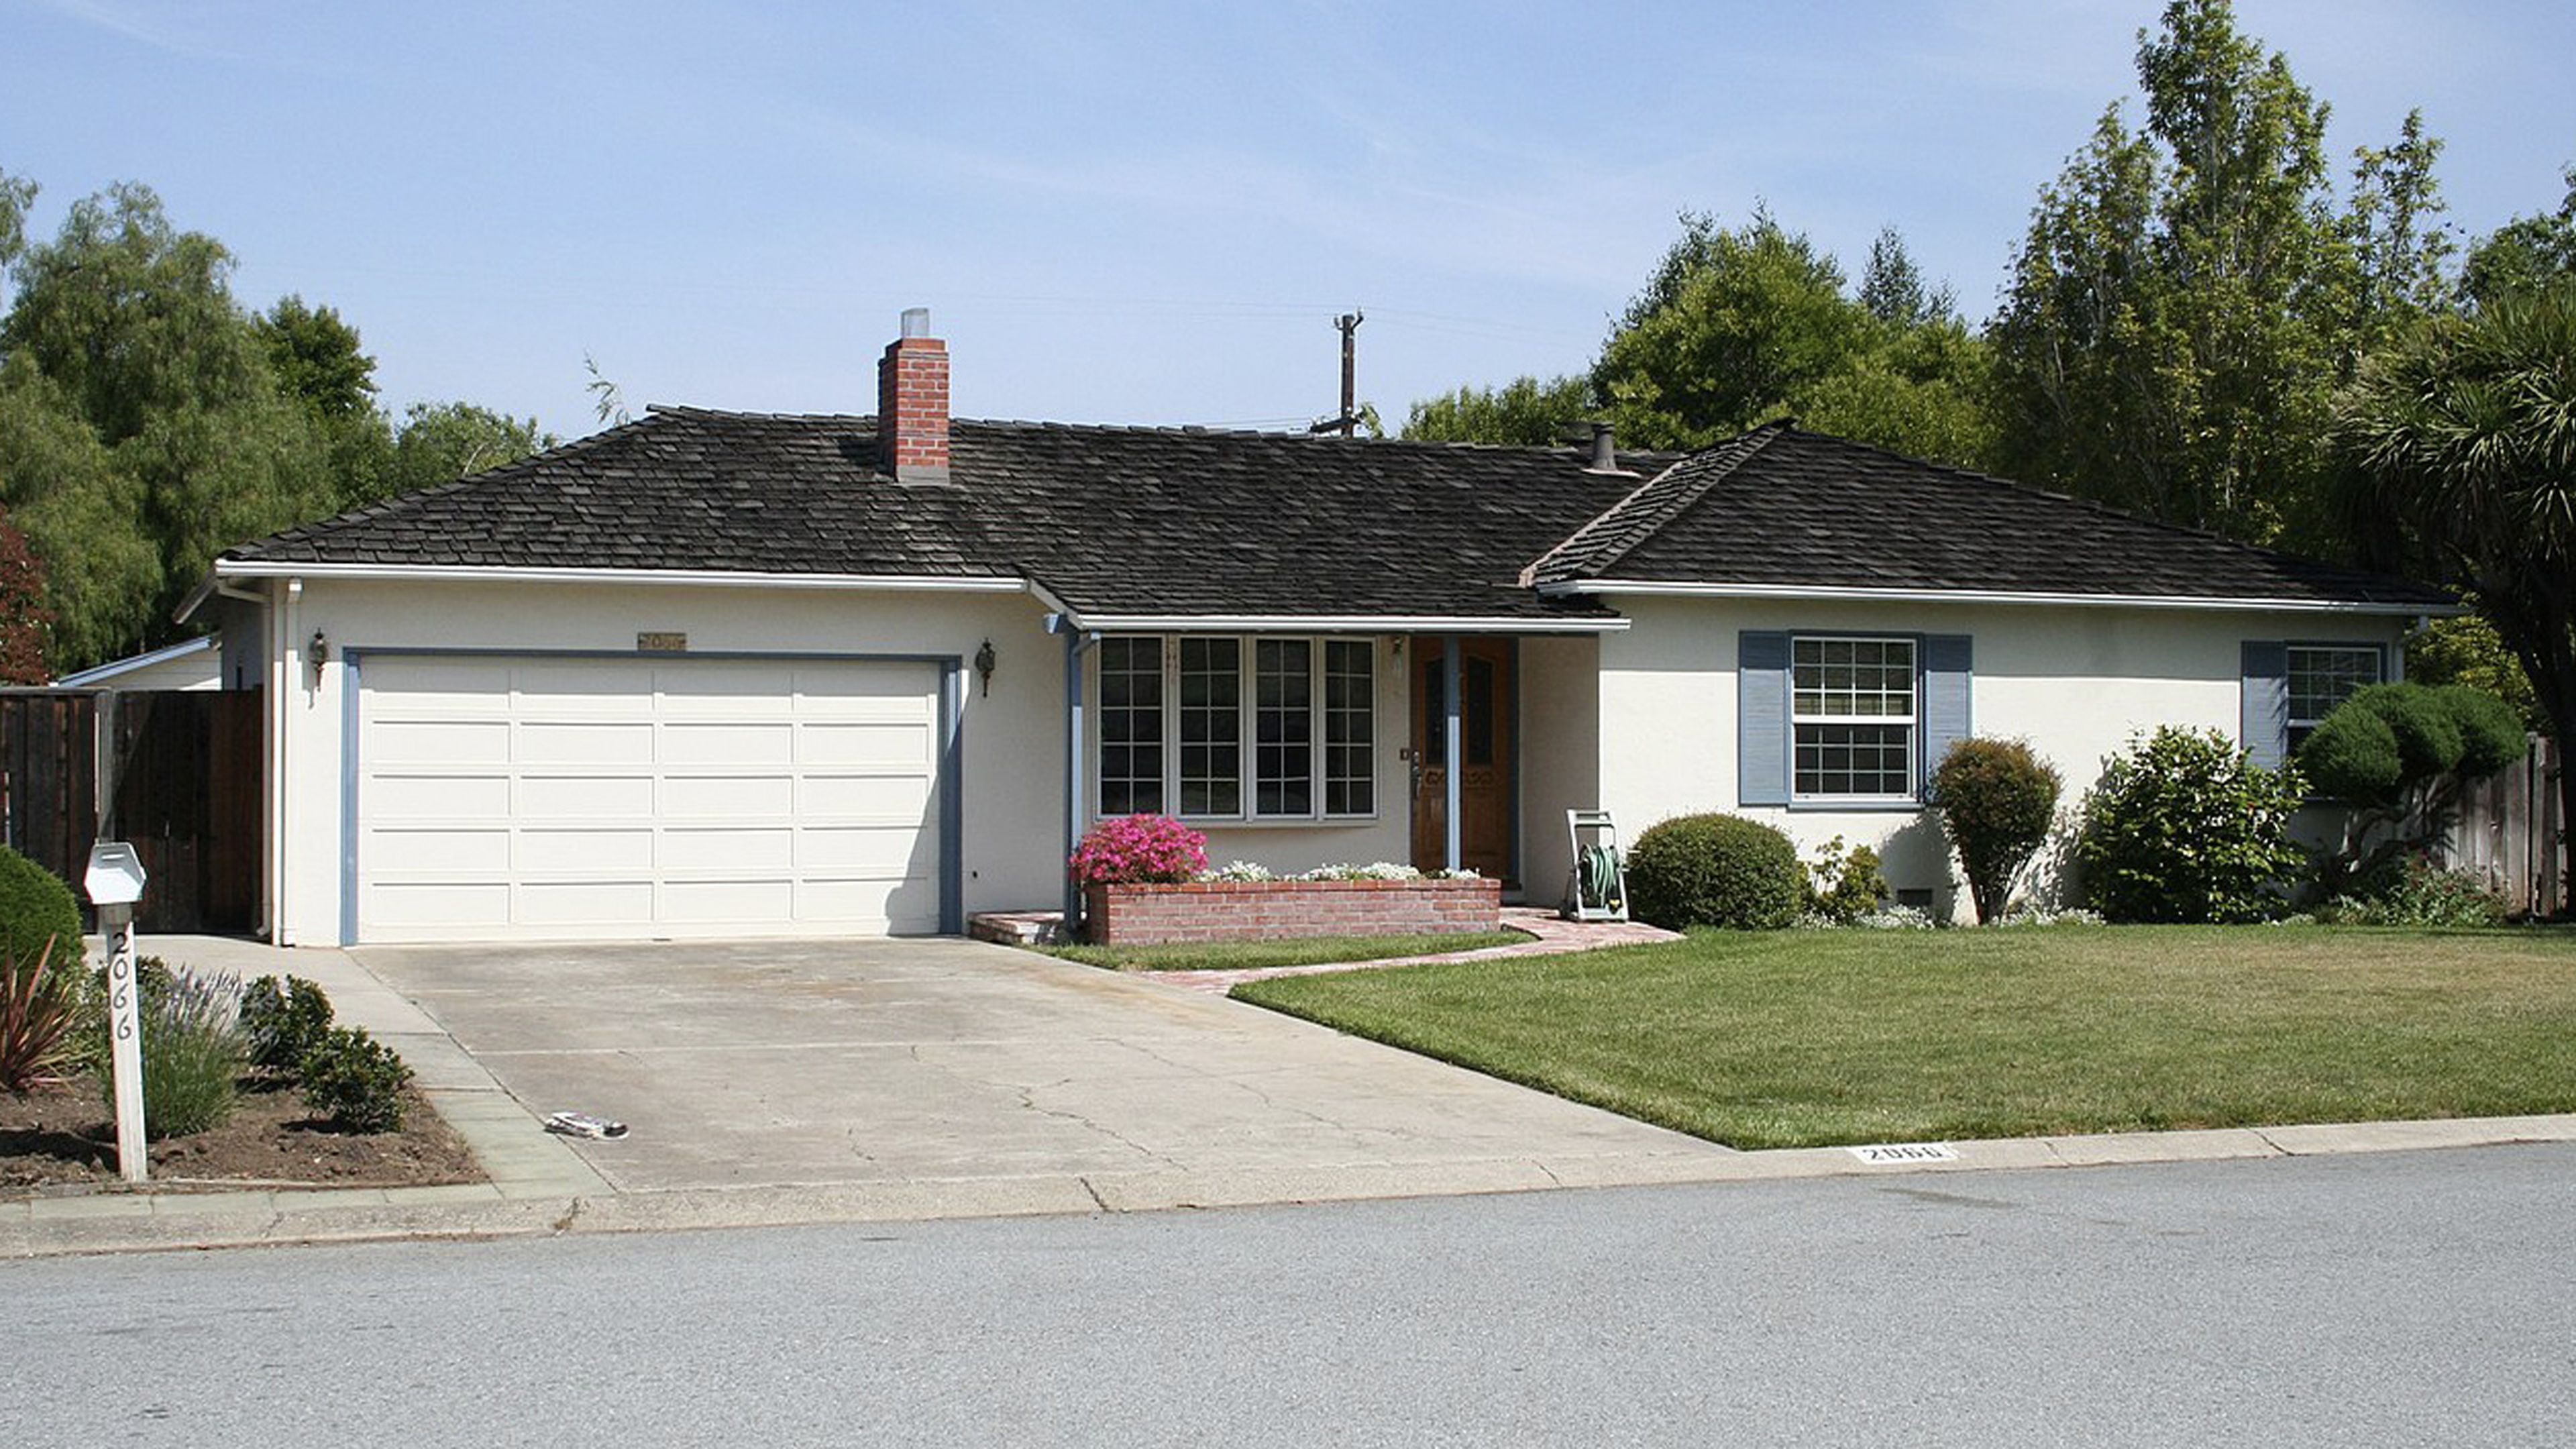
x=1605, y=449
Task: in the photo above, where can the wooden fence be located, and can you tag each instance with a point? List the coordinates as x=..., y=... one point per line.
x=185, y=776
x=2509, y=830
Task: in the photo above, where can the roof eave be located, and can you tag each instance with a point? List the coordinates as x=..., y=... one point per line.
x=703, y=578
x=1566, y=588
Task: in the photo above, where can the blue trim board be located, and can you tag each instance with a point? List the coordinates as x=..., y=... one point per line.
x=349, y=796
x=952, y=802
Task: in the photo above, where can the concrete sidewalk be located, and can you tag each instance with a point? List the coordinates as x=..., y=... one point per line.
x=542, y=1184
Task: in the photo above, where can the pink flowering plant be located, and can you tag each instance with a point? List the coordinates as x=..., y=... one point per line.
x=1134, y=849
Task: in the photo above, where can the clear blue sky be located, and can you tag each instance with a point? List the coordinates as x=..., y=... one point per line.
x=1144, y=213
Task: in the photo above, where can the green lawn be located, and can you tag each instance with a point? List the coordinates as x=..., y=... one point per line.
x=1305, y=951
x=1808, y=1038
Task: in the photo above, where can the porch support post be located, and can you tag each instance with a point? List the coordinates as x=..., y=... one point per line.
x=1073, y=806
x=1453, y=747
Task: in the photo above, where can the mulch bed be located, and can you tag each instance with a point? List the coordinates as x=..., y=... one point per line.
x=61, y=1138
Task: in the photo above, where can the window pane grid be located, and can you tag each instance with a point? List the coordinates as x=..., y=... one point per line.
x=2320, y=679
x=1283, y=722
x=1131, y=726
x=1350, y=697
x=1834, y=682
x=1211, y=720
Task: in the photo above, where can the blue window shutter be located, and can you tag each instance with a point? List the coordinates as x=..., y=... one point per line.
x=2265, y=728
x=1948, y=674
x=1761, y=718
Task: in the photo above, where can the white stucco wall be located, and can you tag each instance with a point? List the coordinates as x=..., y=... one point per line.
x=2077, y=683
x=1560, y=743
x=1013, y=739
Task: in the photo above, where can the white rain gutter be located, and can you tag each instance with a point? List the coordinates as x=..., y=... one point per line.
x=1335, y=624
x=433, y=573
x=1802, y=593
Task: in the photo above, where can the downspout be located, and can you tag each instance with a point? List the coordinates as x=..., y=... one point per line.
x=1074, y=645
x=285, y=616
x=1453, y=751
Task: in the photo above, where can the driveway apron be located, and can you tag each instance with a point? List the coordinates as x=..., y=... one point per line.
x=776, y=1063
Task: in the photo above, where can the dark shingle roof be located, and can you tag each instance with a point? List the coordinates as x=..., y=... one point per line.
x=1782, y=507
x=1137, y=521
x=1167, y=522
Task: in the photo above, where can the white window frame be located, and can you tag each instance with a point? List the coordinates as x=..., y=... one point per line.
x=1319, y=779
x=1911, y=721
x=2296, y=727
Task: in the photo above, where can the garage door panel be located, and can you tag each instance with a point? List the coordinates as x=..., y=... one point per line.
x=413, y=796
x=893, y=744
x=722, y=797
x=904, y=798
x=728, y=742
x=412, y=907
x=460, y=851
x=761, y=906
x=886, y=852
x=575, y=796
x=770, y=849
x=602, y=903
x=443, y=741
x=550, y=849
x=569, y=742
x=557, y=797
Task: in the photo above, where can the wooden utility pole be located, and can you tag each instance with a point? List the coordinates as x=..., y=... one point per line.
x=1347, y=424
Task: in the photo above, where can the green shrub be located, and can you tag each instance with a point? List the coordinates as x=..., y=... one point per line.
x=283, y=1020
x=1996, y=800
x=2389, y=739
x=355, y=1081
x=2419, y=893
x=1844, y=887
x=193, y=1049
x=40, y=1011
x=2352, y=756
x=1715, y=870
x=2491, y=732
x=2184, y=827
x=35, y=906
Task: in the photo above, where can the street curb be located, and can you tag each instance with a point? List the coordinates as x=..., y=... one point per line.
x=536, y=1204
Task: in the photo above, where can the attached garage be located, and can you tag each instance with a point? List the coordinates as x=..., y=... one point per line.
x=605, y=797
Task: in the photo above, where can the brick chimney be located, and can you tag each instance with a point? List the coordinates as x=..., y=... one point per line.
x=912, y=403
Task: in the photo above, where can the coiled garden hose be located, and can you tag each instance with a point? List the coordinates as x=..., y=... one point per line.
x=1597, y=876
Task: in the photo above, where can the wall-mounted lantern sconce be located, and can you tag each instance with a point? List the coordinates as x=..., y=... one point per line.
x=984, y=662
x=317, y=652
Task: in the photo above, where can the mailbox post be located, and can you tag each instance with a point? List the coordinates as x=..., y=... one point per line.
x=115, y=882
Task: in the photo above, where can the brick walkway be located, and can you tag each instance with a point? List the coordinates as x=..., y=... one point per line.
x=1551, y=936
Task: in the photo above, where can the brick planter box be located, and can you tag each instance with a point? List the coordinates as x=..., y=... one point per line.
x=1273, y=910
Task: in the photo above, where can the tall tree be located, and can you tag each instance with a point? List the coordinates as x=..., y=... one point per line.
x=2465, y=436
x=2189, y=295
x=442, y=442
x=316, y=358
x=2525, y=253
x=152, y=424
x=1525, y=412
x=1733, y=323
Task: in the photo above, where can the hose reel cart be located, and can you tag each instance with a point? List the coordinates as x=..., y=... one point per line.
x=1598, y=890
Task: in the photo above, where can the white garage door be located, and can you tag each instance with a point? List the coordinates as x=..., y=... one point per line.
x=583, y=798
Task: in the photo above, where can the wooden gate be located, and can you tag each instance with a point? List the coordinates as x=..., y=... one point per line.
x=186, y=781
x=2507, y=829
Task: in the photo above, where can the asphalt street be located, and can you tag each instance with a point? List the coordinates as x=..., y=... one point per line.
x=2387, y=1299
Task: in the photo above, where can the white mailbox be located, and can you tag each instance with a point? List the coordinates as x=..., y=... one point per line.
x=115, y=874
x=115, y=882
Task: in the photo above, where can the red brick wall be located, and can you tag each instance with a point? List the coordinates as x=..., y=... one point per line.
x=1282, y=909
x=912, y=407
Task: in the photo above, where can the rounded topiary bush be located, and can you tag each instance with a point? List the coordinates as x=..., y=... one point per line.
x=2428, y=737
x=1714, y=870
x=1997, y=800
x=2491, y=733
x=2353, y=756
x=36, y=905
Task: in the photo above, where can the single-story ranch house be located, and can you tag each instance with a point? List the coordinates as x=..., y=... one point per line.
x=733, y=673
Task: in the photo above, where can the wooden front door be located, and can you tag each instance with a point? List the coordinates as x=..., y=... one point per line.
x=1486, y=692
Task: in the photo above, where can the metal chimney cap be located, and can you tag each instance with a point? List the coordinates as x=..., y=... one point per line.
x=916, y=322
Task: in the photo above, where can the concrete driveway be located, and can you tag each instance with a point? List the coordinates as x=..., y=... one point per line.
x=788, y=1063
